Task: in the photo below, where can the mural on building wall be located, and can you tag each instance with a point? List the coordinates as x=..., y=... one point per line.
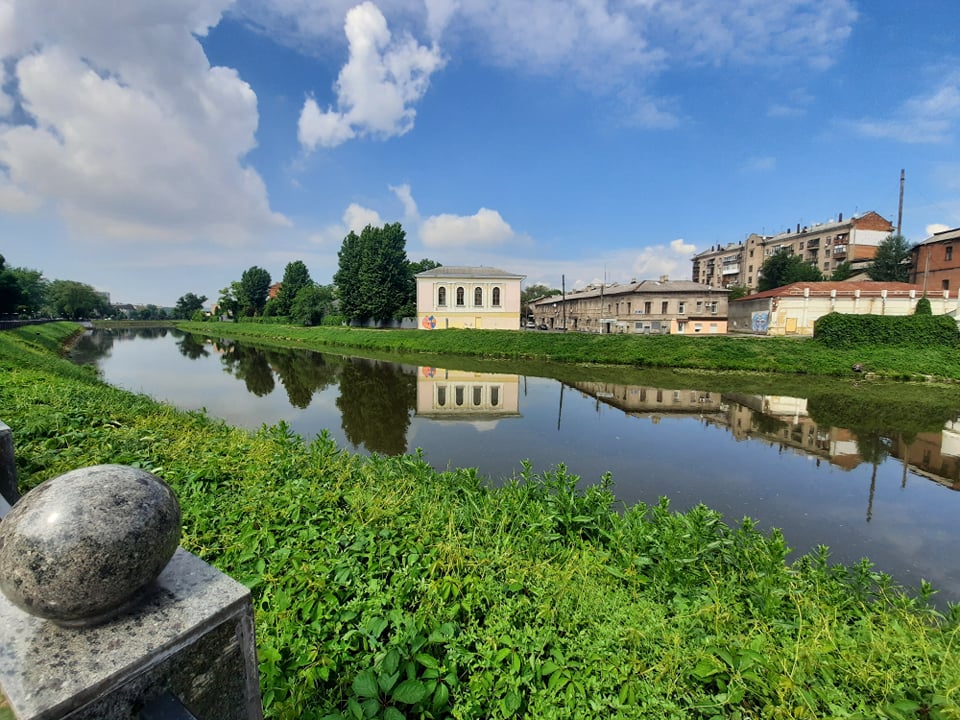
x=429, y=322
x=760, y=321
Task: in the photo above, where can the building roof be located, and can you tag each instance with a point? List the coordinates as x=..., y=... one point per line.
x=942, y=236
x=467, y=272
x=868, y=288
x=658, y=287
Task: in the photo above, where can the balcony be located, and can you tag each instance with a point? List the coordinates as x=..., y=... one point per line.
x=839, y=250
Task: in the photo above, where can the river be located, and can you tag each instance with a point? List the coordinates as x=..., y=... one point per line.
x=892, y=495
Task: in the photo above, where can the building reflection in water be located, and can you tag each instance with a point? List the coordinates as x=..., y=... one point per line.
x=785, y=422
x=463, y=395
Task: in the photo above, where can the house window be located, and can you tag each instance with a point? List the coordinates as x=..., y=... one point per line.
x=441, y=395
x=495, y=396
x=442, y=297
x=663, y=308
x=697, y=327
x=648, y=307
x=699, y=306
x=713, y=308
x=946, y=285
x=478, y=297
x=682, y=309
x=477, y=395
x=459, y=297
x=496, y=297
x=458, y=395
x=949, y=252
x=713, y=327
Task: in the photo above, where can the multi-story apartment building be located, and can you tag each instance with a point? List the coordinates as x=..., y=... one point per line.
x=935, y=262
x=645, y=307
x=823, y=245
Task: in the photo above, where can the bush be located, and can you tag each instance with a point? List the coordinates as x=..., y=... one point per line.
x=838, y=330
x=923, y=307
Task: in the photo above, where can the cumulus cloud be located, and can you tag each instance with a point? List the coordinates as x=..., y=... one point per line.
x=672, y=260
x=377, y=88
x=930, y=117
x=129, y=132
x=614, y=49
x=355, y=219
x=936, y=228
x=485, y=228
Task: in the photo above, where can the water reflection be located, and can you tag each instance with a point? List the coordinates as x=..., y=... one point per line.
x=444, y=394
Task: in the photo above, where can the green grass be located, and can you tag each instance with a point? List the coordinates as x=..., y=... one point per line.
x=726, y=353
x=385, y=589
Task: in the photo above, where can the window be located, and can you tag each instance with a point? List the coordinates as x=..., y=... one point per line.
x=949, y=252
x=682, y=308
x=697, y=327
x=496, y=297
x=477, y=297
x=477, y=395
x=648, y=307
x=495, y=395
x=459, y=297
x=663, y=307
x=699, y=306
x=946, y=285
x=458, y=395
x=713, y=308
x=713, y=327
x=442, y=297
x=441, y=395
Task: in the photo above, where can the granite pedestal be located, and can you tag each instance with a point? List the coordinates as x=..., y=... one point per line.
x=191, y=636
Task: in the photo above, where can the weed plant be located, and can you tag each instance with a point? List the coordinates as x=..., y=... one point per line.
x=384, y=589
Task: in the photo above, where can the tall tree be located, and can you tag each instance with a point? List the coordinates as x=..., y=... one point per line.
x=187, y=305
x=253, y=290
x=534, y=292
x=10, y=293
x=75, y=300
x=228, y=303
x=295, y=278
x=372, y=277
x=783, y=268
x=409, y=306
x=313, y=303
x=842, y=271
x=891, y=262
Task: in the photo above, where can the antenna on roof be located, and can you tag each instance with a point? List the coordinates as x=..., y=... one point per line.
x=900, y=208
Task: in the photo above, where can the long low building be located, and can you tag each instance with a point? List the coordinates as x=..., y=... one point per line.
x=647, y=307
x=793, y=309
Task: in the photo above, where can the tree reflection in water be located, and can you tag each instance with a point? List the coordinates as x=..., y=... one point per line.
x=376, y=402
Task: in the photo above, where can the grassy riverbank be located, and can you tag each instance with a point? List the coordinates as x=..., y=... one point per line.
x=750, y=354
x=385, y=589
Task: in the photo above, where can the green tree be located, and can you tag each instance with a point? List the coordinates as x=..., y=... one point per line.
x=534, y=292
x=783, y=268
x=737, y=291
x=253, y=290
x=891, y=262
x=313, y=303
x=372, y=277
x=75, y=300
x=295, y=278
x=187, y=305
x=409, y=307
x=843, y=271
x=10, y=293
x=923, y=307
x=228, y=303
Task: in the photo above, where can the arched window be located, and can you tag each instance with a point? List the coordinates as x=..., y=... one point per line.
x=477, y=395
x=495, y=396
x=460, y=297
x=478, y=297
x=458, y=395
x=496, y=297
x=441, y=395
x=442, y=296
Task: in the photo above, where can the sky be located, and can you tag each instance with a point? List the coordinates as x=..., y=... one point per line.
x=152, y=148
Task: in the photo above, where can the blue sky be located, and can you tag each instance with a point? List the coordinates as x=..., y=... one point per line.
x=166, y=146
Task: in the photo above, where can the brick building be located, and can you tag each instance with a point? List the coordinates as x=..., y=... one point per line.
x=823, y=245
x=935, y=262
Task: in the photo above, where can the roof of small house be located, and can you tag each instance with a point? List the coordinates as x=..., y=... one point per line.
x=473, y=272
x=657, y=287
x=867, y=288
x=943, y=235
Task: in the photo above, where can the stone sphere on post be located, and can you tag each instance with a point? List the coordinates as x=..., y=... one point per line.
x=79, y=548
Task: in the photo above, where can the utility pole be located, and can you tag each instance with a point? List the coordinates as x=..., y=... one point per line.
x=563, y=290
x=900, y=208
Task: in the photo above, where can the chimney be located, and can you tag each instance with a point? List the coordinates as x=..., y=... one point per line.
x=798, y=227
x=841, y=218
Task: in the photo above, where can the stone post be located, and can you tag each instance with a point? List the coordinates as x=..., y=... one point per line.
x=8, y=470
x=104, y=617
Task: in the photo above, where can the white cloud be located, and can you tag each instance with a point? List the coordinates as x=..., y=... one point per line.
x=405, y=196
x=377, y=88
x=936, y=228
x=928, y=118
x=355, y=219
x=132, y=133
x=483, y=229
x=762, y=164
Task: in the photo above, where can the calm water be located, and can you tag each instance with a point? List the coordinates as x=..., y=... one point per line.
x=863, y=494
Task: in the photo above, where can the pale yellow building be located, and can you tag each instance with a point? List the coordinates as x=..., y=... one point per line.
x=468, y=297
x=464, y=395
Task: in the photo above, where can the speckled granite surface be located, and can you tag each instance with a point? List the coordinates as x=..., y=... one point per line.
x=192, y=634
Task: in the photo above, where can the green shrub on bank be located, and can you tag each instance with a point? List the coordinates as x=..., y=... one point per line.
x=384, y=589
x=838, y=330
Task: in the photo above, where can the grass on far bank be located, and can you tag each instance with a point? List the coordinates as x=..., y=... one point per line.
x=385, y=589
x=719, y=352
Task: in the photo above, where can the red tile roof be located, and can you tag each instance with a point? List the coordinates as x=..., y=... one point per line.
x=847, y=287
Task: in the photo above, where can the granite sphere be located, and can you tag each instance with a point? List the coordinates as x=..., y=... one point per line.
x=79, y=547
